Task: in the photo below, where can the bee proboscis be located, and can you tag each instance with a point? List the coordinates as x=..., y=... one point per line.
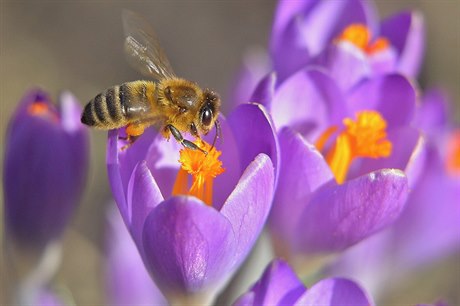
x=174, y=104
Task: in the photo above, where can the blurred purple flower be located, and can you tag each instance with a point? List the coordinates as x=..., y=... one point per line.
x=280, y=286
x=45, y=166
x=305, y=29
x=128, y=282
x=428, y=229
x=341, y=38
x=190, y=249
x=303, y=108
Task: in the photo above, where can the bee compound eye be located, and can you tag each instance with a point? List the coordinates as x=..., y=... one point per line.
x=206, y=116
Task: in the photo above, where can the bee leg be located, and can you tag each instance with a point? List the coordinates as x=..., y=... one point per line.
x=186, y=143
x=133, y=131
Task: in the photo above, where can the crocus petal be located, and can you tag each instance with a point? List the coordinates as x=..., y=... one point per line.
x=392, y=95
x=162, y=158
x=124, y=263
x=383, y=62
x=254, y=133
x=407, y=155
x=309, y=101
x=278, y=286
x=429, y=226
x=352, y=211
x=113, y=170
x=248, y=206
x=295, y=187
x=287, y=49
x=120, y=165
x=263, y=94
x=406, y=33
x=346, y=63
x=284, y=13
x=298, y=36
x=433, y=113
x=70, y=109
x=290, y=53
x=224, y=184
x=318, y=30
x=256, y=65
x=197, y=246
x=335, y=292
x=143, y=196
x=415, y=165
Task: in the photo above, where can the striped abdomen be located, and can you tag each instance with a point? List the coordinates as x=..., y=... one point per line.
x=119, y=105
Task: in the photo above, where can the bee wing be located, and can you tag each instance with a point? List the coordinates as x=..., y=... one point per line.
x=143, y=49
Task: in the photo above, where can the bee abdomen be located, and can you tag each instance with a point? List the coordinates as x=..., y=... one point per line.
x=105, y=110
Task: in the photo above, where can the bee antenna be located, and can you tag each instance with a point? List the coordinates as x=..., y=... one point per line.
x=218, y=133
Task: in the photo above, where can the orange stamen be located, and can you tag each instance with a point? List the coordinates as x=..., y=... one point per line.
x=453, y=154
x=203, y=168
x=363, y=137
x=368, y=135
x=321, y=142
x=379, y=44
x=42, y=109
x=340, y=157
x=360, y=36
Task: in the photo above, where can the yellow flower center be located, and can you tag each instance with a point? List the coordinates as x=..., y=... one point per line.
x=203, y=169
x=363, y=137
x=360, y=36
x=453, y=154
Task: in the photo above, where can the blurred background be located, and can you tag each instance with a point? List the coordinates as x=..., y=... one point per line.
x=77, y=46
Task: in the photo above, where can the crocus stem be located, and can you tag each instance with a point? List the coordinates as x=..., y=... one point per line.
x=30, y=286
x=203, y=298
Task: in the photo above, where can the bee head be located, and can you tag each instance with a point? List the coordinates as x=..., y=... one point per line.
x=208, y=112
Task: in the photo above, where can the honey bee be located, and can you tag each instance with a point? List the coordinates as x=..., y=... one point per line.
x=174, y=104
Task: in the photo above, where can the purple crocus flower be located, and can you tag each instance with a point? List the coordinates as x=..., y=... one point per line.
x=372, y=194
x=280, y=286
x=45, y=165
x=303, y=30
x=191, y=249
x=340, y=37
x=433, y=210
x=428, y=229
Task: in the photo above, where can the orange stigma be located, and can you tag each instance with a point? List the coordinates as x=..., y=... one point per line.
x=42, y=109
x=360, y=36
x=363, y=137
x=203, y=168
x=453, y=154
